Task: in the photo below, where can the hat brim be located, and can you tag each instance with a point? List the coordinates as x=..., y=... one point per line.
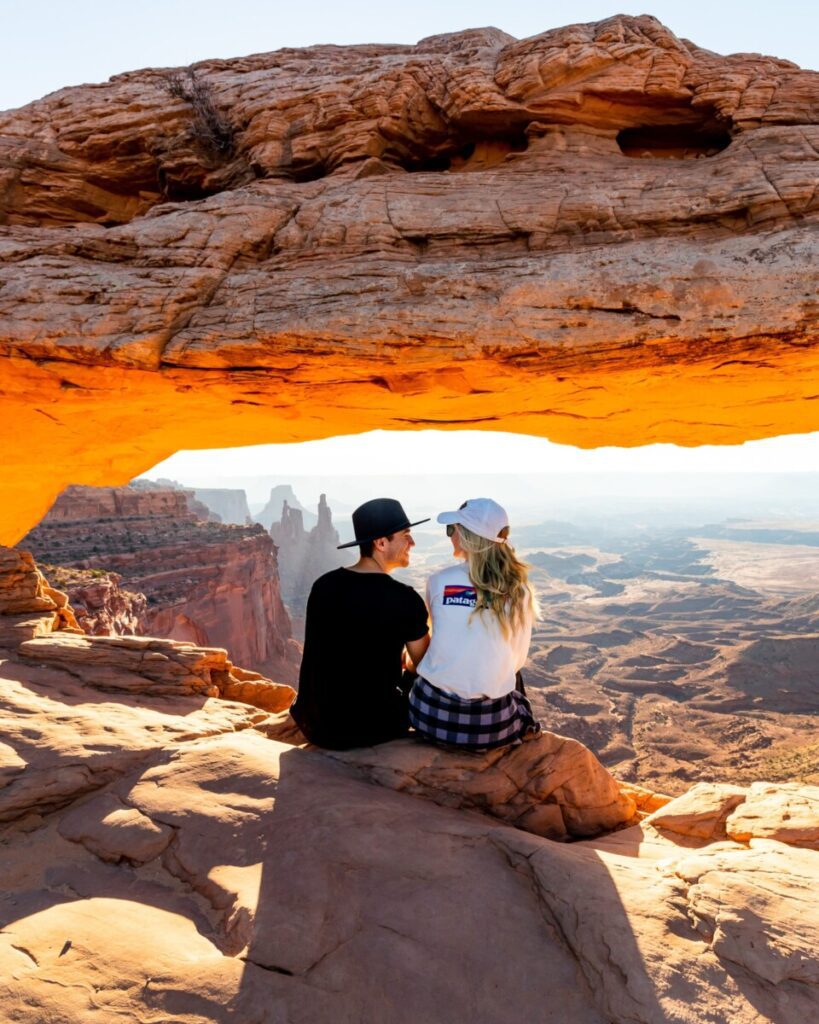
x=449, y=518
x=366, y=540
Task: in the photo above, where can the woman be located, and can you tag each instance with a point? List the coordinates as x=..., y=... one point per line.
x=467, y=692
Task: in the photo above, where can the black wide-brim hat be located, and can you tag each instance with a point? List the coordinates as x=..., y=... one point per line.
x=379, y=518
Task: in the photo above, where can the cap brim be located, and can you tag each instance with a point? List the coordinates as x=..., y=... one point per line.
x=448, y=518
x=366, y=540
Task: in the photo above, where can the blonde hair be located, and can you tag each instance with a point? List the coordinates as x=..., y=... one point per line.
x=500, y=578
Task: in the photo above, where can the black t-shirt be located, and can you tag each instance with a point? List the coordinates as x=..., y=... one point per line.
x=356, y=627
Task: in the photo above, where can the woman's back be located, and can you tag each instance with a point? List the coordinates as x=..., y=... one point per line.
x=471, y=654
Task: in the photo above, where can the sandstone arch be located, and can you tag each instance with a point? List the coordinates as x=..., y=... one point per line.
x=447, y=234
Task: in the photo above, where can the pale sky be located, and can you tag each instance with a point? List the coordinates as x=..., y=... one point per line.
x=475, y=451
x=52, y=43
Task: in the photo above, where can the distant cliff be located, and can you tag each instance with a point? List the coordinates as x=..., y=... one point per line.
x=228, y=503
x=211, y=583
x=305, y=555
x=195, y=504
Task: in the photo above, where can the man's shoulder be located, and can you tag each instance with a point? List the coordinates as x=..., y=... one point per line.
x=331, y=579
x=404, y=589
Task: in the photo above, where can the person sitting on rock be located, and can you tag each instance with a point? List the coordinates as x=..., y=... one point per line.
x=359, y=621
x=469, y=692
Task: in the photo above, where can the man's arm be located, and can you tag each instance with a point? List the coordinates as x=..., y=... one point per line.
x=416, y=649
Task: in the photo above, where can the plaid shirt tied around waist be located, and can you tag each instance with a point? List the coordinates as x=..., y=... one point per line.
x=480, y=724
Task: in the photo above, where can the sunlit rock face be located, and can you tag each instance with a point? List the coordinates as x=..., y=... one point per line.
x=601, y=235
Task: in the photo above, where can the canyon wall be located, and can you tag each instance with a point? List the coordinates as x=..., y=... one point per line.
x=603, y=234
x=208, y=583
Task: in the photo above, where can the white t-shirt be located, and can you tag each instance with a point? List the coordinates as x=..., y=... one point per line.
x=469, y=656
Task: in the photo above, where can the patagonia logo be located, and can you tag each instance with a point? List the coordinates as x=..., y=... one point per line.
x=465, y=596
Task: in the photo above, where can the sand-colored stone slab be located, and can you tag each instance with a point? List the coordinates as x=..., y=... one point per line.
x=113, y=831
x=788, y=812
x=701, y=812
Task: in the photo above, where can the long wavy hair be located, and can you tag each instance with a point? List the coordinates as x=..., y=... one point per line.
x=500, y=578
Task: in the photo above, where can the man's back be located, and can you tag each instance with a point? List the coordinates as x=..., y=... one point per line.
x=356, y=626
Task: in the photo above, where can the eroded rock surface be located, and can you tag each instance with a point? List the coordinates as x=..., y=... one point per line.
x=164, y=852
x=252, y=879
x=603, y=234
x=552, y=786
x=783, y=811
x=29, y=607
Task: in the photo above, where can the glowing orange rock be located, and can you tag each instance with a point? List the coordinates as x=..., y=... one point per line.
x=600, y=235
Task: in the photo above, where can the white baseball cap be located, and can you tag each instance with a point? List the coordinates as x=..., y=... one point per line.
x=480, y=515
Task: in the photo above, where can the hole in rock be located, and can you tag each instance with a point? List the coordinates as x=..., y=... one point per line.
x=463, y=154
x=673, y=142
x=677, y=638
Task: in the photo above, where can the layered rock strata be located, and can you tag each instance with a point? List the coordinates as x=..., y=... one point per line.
x=602, y=234
x=29, y=607
x=199, y=508
x=203, y=582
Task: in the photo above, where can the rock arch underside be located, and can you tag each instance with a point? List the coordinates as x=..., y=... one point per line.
x=601, y=235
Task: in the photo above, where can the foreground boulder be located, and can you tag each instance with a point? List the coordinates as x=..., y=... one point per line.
x=552, y=786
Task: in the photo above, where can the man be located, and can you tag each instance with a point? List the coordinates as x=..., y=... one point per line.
x=358, y=623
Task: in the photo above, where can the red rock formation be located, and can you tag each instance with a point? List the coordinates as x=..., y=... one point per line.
x=208, y=583
x=29, y=607
x=101, y=606
x=195, y=504
x=603, y=235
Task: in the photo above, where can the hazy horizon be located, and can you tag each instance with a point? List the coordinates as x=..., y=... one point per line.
x=538, y=497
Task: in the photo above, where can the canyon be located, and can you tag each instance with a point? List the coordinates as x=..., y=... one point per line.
x=211, y=583
x=677, y=654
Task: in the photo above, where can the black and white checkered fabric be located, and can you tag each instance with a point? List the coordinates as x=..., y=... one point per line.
x=482, y=723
